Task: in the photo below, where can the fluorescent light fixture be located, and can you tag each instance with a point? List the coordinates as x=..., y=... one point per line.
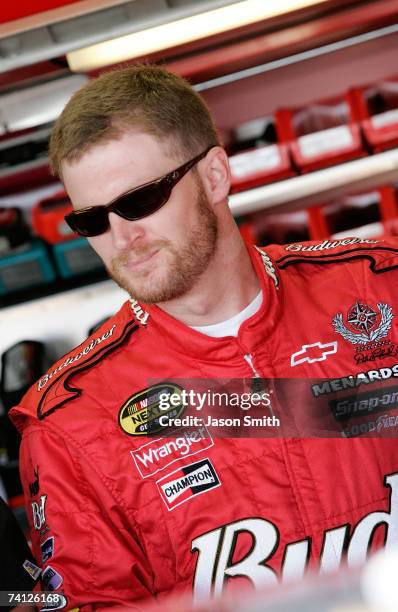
x=145, y=42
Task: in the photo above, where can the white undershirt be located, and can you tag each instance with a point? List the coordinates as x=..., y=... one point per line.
x=230, y=327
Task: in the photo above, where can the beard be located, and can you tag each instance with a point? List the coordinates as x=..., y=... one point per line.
x=182, y=265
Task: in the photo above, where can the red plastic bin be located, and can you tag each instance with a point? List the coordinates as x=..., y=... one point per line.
x=376, y=108
x=321, y=134
x=373, y=213
x=256, y=157
x=259, y=166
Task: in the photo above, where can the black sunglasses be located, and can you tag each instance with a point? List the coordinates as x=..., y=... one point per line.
x=135, y=204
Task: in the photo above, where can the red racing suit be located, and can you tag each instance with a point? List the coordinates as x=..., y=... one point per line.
x=118, y=517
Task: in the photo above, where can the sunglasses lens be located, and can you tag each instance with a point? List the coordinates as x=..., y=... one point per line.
x=137, y=204
x=90, y=222
x=142, y=202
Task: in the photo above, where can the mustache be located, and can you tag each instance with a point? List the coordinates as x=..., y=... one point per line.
x=125, y=256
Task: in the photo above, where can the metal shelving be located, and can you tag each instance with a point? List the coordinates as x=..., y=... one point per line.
x=319, y=187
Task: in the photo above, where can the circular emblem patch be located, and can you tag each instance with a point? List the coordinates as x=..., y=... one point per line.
x=362, y=317
x=139, y=416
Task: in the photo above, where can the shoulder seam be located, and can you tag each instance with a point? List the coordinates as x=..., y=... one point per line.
x=64, y=379
x=349, y=255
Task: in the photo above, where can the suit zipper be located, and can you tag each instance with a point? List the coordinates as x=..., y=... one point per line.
x=249, y=359
x=257, y=385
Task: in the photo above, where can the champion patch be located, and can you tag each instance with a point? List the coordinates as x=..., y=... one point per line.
x=187, y=482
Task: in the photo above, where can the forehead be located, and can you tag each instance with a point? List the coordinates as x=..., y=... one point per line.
x=111, y=168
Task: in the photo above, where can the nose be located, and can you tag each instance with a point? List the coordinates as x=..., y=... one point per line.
x=124, y=233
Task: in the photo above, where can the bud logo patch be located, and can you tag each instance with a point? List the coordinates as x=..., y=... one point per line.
x=38, y=512
x=158, y=454
x=183, y=484
x=219, y=553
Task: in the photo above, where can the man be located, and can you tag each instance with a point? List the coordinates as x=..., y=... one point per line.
x=120, y=517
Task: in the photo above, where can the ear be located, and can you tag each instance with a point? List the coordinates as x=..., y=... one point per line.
x=216, y=175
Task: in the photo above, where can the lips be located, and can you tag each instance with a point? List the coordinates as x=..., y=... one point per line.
x=137, y=263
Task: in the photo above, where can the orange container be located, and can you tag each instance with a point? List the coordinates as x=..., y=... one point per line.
x=48, y=218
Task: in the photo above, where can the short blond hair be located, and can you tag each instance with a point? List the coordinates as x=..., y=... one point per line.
x=144, y=98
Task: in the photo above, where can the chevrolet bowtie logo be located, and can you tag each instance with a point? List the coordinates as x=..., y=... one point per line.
x=313, y=352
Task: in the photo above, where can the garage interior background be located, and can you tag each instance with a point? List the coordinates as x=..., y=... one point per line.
x=305, y=94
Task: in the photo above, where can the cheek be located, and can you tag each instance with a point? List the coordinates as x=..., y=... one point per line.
x=168, y=227
x=174, y=222
x=100, y=244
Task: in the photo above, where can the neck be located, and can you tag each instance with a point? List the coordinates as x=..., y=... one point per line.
x=227, y=286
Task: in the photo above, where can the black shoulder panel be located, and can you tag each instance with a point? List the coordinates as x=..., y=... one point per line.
x=54, y=389
x=381, y=254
